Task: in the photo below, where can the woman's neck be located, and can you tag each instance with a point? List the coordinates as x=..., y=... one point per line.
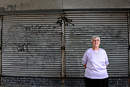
x=95, y=48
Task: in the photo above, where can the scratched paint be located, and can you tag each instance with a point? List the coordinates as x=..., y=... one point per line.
x=76, y=34
x=28, y=33
x=8, y=8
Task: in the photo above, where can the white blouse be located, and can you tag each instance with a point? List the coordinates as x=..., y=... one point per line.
x=95, y=61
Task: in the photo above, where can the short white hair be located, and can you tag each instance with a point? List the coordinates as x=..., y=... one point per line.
x=95, y=36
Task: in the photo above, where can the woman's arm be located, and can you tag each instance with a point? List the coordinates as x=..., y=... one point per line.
x=85, y=59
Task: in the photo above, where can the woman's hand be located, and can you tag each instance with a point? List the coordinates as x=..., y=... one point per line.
x=85, y=66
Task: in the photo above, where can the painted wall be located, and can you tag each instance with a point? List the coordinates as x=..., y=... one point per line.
x=12, y=5
x=83, y=4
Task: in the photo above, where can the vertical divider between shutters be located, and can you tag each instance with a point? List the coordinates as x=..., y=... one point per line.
x=63, y=50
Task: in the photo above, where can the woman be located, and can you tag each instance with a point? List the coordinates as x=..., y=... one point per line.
x=95, y=61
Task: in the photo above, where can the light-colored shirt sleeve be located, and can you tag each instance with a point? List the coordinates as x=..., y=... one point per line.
x=106, y=59
x=85, y=58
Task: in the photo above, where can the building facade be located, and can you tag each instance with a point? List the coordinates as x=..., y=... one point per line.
x=42, y=42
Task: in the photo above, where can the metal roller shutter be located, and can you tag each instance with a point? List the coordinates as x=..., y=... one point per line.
x=31, y=46
x=110, y=26
x=0, y=29
x=0, y=42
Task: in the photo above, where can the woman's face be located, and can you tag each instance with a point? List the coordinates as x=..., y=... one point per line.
x=96, y=42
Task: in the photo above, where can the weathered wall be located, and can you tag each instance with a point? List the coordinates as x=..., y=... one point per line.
x=12, y=5
x=55, y=82
x=85, y=4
